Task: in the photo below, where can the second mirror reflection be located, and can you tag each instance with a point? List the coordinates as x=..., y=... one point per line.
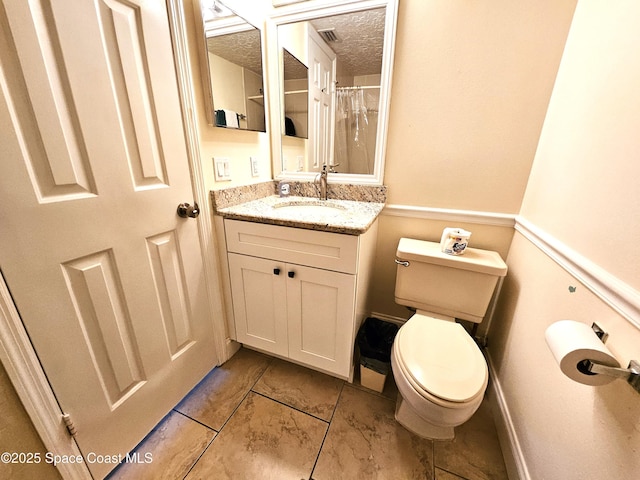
x=234, y=56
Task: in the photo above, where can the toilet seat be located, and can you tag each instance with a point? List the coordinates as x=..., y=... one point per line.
x=441, y=361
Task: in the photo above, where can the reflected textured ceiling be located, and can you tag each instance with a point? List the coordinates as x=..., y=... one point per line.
x=361, y=36
x=294, y=69
x=241, y=48
x=359, y=49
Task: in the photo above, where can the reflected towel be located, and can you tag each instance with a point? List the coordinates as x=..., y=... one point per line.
x=232, y=118
x=289, y=127
x=221, y=118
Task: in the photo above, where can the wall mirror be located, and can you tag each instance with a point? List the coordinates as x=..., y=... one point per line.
x=347, y=50
x=232, y=70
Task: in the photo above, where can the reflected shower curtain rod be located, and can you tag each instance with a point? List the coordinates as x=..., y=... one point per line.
x=365, y=87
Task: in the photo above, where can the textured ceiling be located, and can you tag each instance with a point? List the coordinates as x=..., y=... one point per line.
x=359, y=49
x=361, y=36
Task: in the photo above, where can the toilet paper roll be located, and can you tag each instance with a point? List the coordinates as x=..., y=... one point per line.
x=573, y=342
x=454, y=241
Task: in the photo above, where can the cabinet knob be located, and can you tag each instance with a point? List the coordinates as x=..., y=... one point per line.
x=291, y=274
x=276, y=271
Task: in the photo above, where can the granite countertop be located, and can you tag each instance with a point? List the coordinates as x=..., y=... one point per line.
x=339, y=216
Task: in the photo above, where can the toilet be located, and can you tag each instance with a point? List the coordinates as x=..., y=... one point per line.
x=440, y=371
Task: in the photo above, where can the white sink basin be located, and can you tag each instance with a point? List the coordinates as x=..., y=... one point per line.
x=309, y=207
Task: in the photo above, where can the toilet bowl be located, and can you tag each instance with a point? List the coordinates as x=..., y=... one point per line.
x=440, y=372
x=441, y=376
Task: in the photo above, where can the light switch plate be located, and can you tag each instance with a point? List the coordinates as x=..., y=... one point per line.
x=254, y=166
x=222, y=169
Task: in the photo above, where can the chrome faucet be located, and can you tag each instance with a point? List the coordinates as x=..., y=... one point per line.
x=323, y=182
x=326, y=170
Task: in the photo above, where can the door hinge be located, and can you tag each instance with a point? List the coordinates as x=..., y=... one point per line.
x=71, y=428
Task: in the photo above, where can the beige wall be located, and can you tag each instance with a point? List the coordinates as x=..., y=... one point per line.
x=471, y=85
x=582, y=192
x=584, y=184
x=17, y=434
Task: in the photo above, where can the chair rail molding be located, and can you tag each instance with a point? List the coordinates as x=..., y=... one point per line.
x=467, y=216
x=619, y=295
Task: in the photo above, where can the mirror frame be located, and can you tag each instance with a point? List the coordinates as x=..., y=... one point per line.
x=323, y=8
x=207, y=90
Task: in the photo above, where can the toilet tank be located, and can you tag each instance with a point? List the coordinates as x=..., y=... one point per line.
x=459, y=286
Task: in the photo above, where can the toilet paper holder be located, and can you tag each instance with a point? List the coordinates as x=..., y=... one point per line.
x=631, y=374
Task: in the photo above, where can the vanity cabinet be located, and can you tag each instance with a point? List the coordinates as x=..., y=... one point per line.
x=302, y=313
x=299, y=294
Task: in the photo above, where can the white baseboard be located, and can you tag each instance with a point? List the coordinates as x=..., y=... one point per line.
x=511, y=451
x=389, y=318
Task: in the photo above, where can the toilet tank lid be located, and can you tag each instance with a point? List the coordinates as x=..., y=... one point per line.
x=473, y=259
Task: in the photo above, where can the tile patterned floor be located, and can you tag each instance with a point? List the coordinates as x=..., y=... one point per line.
x=257, y=417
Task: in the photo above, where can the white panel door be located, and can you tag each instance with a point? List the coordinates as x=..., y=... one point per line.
x=320, y=310
x=320, y=103
x=107, y=278
x=258, y=288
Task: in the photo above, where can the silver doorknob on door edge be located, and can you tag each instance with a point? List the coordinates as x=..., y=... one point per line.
x=187, y=211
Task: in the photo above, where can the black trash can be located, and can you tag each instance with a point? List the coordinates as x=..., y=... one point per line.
x=374, y=341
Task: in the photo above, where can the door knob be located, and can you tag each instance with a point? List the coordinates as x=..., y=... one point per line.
x=291, y=274
x=185, y=210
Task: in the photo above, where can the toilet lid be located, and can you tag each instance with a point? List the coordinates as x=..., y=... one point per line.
x=442, y=358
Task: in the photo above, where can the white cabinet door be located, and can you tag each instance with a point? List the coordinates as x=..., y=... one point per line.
x=320, y=103
x=258, y=290
x=320, y=310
